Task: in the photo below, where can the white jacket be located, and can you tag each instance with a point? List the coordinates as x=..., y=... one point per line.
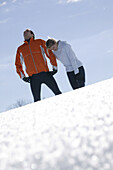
x=67, y=56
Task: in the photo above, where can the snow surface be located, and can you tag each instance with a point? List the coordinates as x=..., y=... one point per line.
x=72, y=131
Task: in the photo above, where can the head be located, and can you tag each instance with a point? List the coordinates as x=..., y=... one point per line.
x=52, y=44
x=28, y=34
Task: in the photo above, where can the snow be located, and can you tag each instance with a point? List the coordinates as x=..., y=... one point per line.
x=72, y=131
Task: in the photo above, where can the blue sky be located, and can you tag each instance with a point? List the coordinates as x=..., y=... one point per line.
x=86, y=24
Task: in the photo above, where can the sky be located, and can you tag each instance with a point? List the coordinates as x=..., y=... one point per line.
x=74, y=133
x=85, y=24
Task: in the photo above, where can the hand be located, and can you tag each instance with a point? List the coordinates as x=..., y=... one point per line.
x=27, y=79
x=53, y=72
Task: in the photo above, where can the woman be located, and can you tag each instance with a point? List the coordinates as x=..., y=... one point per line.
x=74, y=68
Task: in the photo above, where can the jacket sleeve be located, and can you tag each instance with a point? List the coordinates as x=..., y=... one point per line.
x=50, y=55
x=18, y=64
x=72, y=57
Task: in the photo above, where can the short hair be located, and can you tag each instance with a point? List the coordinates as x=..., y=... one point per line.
x=31, y=32
x=50, y=42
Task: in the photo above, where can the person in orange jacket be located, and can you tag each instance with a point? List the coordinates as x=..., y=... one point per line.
x=33, y=54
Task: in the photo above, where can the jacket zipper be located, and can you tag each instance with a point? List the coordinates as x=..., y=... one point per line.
x=32, y=58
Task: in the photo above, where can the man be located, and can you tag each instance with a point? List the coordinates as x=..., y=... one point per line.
x=74, y=68
x=32, y=53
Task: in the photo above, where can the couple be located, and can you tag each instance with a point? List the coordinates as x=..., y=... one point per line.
x=33, y=53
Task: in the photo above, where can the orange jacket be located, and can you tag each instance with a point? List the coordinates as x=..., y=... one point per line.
x=33, y=56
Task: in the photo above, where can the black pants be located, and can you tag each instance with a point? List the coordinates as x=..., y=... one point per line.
x=46, y=78
x=77, y=80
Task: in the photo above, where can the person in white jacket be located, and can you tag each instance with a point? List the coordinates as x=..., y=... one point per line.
x=74, y=67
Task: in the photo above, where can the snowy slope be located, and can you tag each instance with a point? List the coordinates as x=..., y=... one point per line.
x=72, y=131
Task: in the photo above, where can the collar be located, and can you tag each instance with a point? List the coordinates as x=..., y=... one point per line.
x=26, y=42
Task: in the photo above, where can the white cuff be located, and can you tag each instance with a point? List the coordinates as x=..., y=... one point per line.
x=76, y=71
x=55, y=67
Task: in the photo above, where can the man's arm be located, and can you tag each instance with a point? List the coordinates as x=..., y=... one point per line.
x=18, y=64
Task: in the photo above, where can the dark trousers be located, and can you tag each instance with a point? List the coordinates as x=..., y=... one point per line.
x=77, y=80
x=46, y=78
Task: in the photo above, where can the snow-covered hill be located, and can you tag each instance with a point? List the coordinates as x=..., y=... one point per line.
x=72, y=131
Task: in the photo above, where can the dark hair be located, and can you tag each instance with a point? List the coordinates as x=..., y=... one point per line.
x=31, y=32
x=50, y=42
